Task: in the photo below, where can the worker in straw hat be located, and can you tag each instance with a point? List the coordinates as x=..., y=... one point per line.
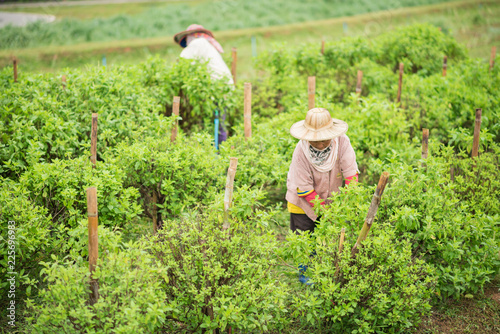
x=199, y=43
x=322, y=159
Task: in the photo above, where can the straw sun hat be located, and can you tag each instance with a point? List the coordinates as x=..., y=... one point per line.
x=180, y=38
x=318, y=125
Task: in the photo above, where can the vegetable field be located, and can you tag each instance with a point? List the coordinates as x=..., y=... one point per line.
x=166, y=20
x=170, y=245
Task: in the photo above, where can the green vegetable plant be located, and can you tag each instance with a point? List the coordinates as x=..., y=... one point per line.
x=171, y=177
x=421, y=47
x=130, y=294
x=218, y=279
x=60, y=187
x=450, y=223
x=383, y=288
x=27, y=237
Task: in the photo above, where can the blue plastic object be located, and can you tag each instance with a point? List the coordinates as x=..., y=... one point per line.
x=216, y=130
x=302, y=278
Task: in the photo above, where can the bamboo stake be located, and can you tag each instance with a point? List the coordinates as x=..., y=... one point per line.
x=358, y=84
x=477, y=132
x=323, y=47
x=492, y=57
x=247, y=110
x=400, y=82
x=425, y=143
x=14, y=64
x=175, y=111
x=93, y=241
x=233, y=64
x=63, y=80
x=228, y=196
x=341, y=247
x=342, y=237
x=311, y=91
x=445, y=65
x=372, y=211
x=93, y=141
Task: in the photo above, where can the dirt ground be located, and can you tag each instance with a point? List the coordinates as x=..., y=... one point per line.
x=478, y=315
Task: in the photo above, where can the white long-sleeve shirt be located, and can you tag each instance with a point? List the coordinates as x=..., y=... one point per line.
x=201, y=49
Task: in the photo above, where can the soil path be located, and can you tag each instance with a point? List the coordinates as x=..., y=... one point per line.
x=22, y=19
x=77, y=3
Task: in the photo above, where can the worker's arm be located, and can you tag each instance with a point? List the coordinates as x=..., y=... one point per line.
x=309, y=196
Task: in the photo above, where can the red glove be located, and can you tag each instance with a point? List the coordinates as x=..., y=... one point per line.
x=351, y=178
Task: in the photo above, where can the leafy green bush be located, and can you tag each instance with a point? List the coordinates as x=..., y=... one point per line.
x=382, y=289
x=192, y=82
x=130, y=294
x=33, y=239
x=60, y=187
x=219, y=279
x=451, y=225
x=263, y=161
x=172, y=177
x=477, y=181
x=445, y=105
x=41, y=121
x=421, y=47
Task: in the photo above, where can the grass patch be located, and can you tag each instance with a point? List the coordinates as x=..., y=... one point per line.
x=97, y=11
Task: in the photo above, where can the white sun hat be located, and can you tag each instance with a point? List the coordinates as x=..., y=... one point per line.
x=318, y=125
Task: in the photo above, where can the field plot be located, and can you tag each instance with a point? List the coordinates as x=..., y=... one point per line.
x=474, y=23
x=127, y=219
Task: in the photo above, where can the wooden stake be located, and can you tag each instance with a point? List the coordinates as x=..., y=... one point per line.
x=477, y=132
x=228, y=196
x=358, y=84
x=233, y=64
x=14, y=64
x=341, y=247
x=492, y=57
x=93, y=240
x=93, y=141
x=372, y=211
x=323, y=47
x=341, y=242
x=311, y=91
x=425, y=143
x=175, y=111
x=400, y=83
x=247, y=110
x=63, y=80
x=445, y=65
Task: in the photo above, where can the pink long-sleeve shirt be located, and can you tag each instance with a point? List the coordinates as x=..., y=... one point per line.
x=304, y=176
